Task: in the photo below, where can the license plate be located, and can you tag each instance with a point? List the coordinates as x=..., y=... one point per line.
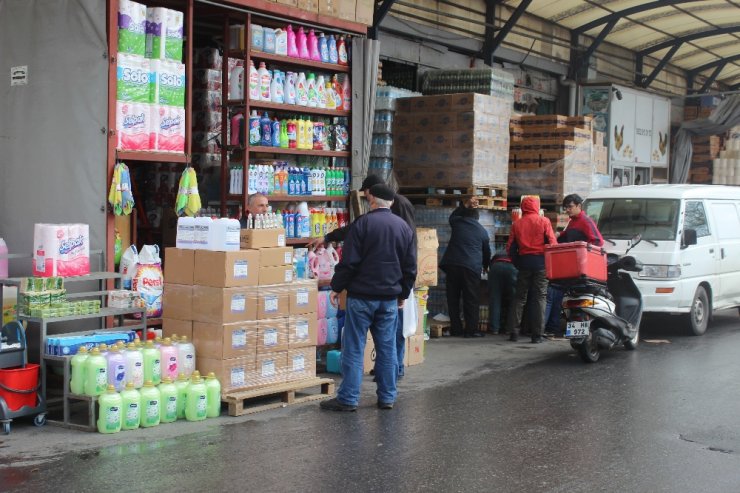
x=577, y=329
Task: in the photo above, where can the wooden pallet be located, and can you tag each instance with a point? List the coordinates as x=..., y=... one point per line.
x=497, y=191
x=490, y=203
x=276, y=396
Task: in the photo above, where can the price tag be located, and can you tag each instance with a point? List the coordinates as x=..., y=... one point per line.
x=299, y=363
x=268, y=368
x=238, y=339
x=237, y=377
x=289, y=275
x=302, y=297
x=241, y=269
x=271, y=337
x=301, y=329
x=271, y=304
x=238, y=303
x=281, y=240
x=288, y=258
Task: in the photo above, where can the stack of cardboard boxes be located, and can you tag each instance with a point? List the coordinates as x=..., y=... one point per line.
x=551, y=156
x=453, y=140
x=351, y=10
x=706, y=150
x=251, y=323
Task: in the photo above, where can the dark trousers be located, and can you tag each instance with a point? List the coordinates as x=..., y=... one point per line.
x=501, y=287
x=465, y=283
x=537, y=281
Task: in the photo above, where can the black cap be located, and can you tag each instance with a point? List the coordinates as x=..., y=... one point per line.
x=382, y=191
x=370, y=181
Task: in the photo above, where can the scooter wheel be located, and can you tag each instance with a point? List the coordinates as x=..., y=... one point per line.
x=39, y=420
x=589, y=350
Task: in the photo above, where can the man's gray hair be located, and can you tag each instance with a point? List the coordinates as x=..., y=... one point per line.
x=383, y=203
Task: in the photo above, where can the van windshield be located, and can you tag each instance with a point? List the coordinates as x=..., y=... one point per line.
x=654, y=219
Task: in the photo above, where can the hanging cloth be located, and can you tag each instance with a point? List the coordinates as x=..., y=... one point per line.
x=120, y=198
x=188, y=200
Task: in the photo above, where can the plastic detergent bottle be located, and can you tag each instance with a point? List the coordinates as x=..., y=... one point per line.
x=275, y=133
x=337, y=92
x=134, y=366
x=346, y=94
x=313, y=46
x=308, y=139
x=77, y=382
x=237, y=121
x=333, y=54
x=130, y=408
x=292, y=134
x=323, y=48
x=168, y=406
x=313, y=97
x=303, y=226
x=254, y=82
x=255, y=133
x=277, y=88
x=320, y=92
x=196, y=402
x=289, y=87
x=213, y=392
x=292, y=46
x=185, y=356
x=342, y=51
x=169, y=359
x=266, y=130
x=116, y=369
x=152, y=363
x=301, y=91
x=302, y=44
x=4, y=261
x=181, y=384
x=150, y=405
x=202, y=233
x=236, y=83
x=281, y=42
x=284, y=142
x=331, y=103
x=185, y=232
x=265, y=79
x=109, y=417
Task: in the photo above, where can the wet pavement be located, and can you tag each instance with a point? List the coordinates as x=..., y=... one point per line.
x=479, y=415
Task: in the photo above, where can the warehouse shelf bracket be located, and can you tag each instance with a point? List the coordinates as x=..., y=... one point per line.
x=582, y=59
x=710, y=80
x=380, y=12
x=643, y=81
x=627, y=12
x=495, y=42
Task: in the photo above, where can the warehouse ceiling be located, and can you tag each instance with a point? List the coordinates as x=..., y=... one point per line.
x=699, y=36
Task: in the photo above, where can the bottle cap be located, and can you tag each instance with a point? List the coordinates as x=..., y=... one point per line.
x=167, y=341
x=103, y=347
x=211, y=375
x=148, y=383
x=130, y=386
x=183, y=339
x=82, y=350
x=95, y=351
x=182, y=377
x=149, y=344
x=111, y=389
x=166, y=380
x=131, y=346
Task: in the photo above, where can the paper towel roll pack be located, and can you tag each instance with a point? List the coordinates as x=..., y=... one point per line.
x=133, y=126
x=164, y=33
x=134, y=78
x=167, y=83
x=61, y=250
x=131, y=28
x=168, y=129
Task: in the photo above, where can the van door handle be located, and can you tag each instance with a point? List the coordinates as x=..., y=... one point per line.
x=722, y=252
x=711, y=250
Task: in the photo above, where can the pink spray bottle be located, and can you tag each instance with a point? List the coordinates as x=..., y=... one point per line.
x=302, y=42
x=313, y=46
x=292, y=49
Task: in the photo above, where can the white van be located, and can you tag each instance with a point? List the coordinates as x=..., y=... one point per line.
x=690, y=244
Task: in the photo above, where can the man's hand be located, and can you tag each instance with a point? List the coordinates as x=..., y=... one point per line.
x=401, y=304
x=334, y=298
x=316, y=242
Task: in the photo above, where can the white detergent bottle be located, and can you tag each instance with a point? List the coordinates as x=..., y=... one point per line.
x=304, y=221
x=185, y=232
x=134, y=366
x=185, y=356
x=254, y=82
x=202, y=235
x=236, y=83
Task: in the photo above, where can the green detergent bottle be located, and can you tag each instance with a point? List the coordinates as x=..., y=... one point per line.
x=196, y=401
x=152, y=363
x=213, y=390
x=77, y=382
x=131, y=407
x=181, y=384
x=150, y=403
x=168, y=411
x=109, y=417
x=96, y=373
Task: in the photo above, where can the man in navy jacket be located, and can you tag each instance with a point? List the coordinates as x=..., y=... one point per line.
x=378, y=271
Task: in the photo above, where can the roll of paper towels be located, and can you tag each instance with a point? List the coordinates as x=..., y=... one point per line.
x=133, y=126
x=131, y=28
x=167, y=128
x=167, y=83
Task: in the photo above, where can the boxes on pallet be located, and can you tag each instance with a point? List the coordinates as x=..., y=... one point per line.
x=271, y=368
x=276, y=256
x=224, y=305
x=301, y=363
x=233, y=374
x=226, y=269
x=177, y=301
x=272, y=335
x=303, y=296
x=278, y=274
x=225, y=341
x=302, y=330
x=179, y=265
x=262, y=238
x=273, y=301
x=172, y=326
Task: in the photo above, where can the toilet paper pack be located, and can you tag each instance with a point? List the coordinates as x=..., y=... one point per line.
x=168, y=128
x=133, y=126
x=164, y=33
x=61, y=250
x=167, y=83
x=131, y=28
x=133, y=78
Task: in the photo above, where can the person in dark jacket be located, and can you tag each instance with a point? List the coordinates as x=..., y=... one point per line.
x=579, y=228
x=501, y=287
x=526, y=246
x=378, y=271
x=468, y=252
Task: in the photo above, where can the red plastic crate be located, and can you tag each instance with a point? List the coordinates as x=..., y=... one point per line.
x=576, y=260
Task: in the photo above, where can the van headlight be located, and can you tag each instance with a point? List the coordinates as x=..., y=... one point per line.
x=660, y=271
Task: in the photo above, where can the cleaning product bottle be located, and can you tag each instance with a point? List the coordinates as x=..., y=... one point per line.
x=236, y=123
x=331, y=103
x=342, y=51
x=168, y=406
x=309, y=134
x=130, y=408
x=213, y=391
x=301, y=91
x=185, y=232
x=277, y=88
x=303, y=226
x=320, y=92
x=255, y=134
x=134, y=366
x=236, y=83
x=181, y=384
x=281, y=42
x=265, y=80
x=337, y=92
x=333, y=55
x=289, y=87
x=323, y=48
x=284, y=143
x=169, y=359
x=300, y=133
x=77, y=382
x=150, y=405
x=152, y=363
x=315, y=225
x=275, y=130
x=266, y=130
x=185, y=356
x=116, y=369
x=346, y=94
x=313, y=46
x=196, y=402
x=292, y=134
x=302, y=43
x=109, y=417
x=292, y=46
x=104, y=353
x=313, y=96
x=254, y=82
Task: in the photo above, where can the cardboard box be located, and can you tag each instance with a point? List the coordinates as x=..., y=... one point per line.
x=225, y=341
x=262, y=238
x=226, y=269
x=415, y=350
x=273, y=302
x=364, y=12
x=271, y=257
x=347, y=10
x=292, y=3
x=301, y=363
x=177, y=301
x=303, y=296
x=224, y=305
x=302, y=330
x=280, y=274
x=272, y=335
x=426, y=257
x=309, y=5
x=172, y=327
x=233, y=374
x=271, y=368
x=179, y=265
x=329, y=7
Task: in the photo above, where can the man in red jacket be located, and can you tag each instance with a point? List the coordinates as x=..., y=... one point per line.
x=526, y=247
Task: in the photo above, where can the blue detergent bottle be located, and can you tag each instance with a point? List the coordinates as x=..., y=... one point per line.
x=276, y=133
x=266, y=127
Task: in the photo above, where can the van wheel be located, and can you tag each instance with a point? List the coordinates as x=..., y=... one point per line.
x=698, y=316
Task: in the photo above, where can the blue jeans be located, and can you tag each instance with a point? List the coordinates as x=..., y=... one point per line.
x=553, y=308
x=400, y=343
x=381, y=317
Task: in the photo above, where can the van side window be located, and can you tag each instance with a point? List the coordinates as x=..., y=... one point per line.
x=728, y=222
x=696, y=219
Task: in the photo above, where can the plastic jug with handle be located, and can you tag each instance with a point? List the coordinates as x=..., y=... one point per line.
x=3, y=261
